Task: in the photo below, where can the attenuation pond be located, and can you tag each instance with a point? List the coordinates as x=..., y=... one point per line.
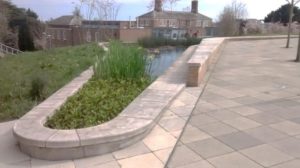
x=161, y=60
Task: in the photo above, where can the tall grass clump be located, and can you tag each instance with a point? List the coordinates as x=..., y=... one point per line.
x=119, y=77
x=121, y=62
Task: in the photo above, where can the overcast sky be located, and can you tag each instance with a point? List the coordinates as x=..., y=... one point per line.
x=47, y=9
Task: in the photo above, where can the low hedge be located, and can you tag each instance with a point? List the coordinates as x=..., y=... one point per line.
x=155, y=42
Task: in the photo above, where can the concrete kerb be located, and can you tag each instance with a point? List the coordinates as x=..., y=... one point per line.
x=210, y=47
x=131, y=126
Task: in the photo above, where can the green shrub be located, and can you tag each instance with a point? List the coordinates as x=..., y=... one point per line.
x=97, y=102
x=37, y=90
x=121, y=62
x=154, y=42
x=119, y=77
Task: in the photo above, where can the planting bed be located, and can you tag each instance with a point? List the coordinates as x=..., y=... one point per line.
x=70, y=139
x=131, y=125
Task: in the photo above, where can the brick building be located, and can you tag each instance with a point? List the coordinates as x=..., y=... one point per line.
x=73, y=30
x=176, y=24
x=70, y=31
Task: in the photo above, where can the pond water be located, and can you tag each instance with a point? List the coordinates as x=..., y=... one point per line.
x=162, y=61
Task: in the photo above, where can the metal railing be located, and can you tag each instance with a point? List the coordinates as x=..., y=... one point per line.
x=8, y=50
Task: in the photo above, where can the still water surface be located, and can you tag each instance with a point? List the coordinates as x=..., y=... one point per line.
x=164, y=60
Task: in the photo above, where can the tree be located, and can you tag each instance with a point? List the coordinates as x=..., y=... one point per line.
x=103, y=10
x=231, y=18
x=186, y=9
x=107, y=9
x=298, y=52
x=3, y=27
x=172, y=3
x=99, y=9
x=281, y=15
x=32, y=14
x=25, y=37
x=22, y=26
x=292, y=4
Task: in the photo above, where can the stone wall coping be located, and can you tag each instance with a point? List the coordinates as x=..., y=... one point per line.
x=208, y=48
x=131, y=125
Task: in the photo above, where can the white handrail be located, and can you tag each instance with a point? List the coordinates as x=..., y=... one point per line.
x=8, y=50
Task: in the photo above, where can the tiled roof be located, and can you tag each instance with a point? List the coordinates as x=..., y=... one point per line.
x=63, y=20
x=175, y=15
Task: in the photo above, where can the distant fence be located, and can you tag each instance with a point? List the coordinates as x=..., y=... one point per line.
x=8, y=50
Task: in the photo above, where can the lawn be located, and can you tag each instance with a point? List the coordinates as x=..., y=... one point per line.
x=29, y=78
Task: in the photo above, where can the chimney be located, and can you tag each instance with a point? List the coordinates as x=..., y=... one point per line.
x=194, y=6
x=158, y=5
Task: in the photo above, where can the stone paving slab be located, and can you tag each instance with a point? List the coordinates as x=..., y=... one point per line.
x=271, y=86
x=248, y=114
x=153, y=151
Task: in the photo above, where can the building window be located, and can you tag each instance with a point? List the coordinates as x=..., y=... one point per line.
x=53, y=34
x=199, y=23
x=205, y=23
x=147, y=23
x=141, y=23
x=88, y=36
x=174, y=35
x=64, y=35
x=188, y=23
x=161, y=22
x=97, y=37
x=58, y=35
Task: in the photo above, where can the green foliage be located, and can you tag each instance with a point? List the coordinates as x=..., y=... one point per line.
x=58, y=66
x=21, y=22
x=37, y=90
x=32, y=14
x=97, y=102
x=121, y=62
x=25, y=37
x=282, y=15
x=120, y=76
x=154, y=42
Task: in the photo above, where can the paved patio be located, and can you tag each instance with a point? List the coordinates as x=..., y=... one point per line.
x=249, y=113
x=247, y=117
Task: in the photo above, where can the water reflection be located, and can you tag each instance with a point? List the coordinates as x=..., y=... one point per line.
x=162, y=61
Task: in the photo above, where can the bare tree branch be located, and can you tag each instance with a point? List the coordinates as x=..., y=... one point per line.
x=230, y=17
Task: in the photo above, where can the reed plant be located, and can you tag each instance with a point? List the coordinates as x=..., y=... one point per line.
x=120, y=75
x=121, y=62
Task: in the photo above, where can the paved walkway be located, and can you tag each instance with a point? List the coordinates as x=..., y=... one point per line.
x=249, y=113
x=247, y=117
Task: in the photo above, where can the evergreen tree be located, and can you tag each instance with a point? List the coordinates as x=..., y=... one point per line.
x=32, y=14
x=23, y=23
x=25, y=37
x=282, y=15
